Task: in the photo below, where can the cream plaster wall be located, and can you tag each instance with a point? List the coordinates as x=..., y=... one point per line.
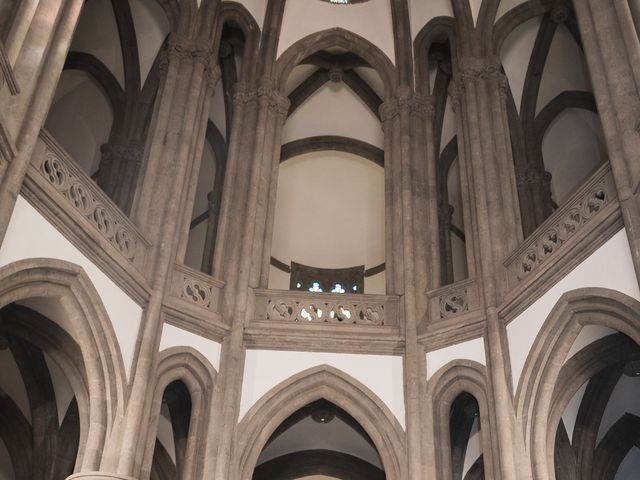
x=257, y=8
x=421, y=12
x=177, y=337
x=152, y=27
x=609, y=267
x=565, y=68
x=506, y=5
x=97, y=33
x=587, y=336
x=469, y=350
x=80, y=118
x=515, y=55
x=630, y=466
x=29, y=235
x=264, y=369
x=308, y=434
x=572, y=148
x=303, y=17
x=624, y=399
x=334, y=110
x=61, y=388
x=475, y=9
x=474, y=448
x=329, y=212
x=570, y=414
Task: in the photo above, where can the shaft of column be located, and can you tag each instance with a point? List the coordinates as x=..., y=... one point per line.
x=497, y=231
x=48, y=72
x=160, y=207
x=616, y=86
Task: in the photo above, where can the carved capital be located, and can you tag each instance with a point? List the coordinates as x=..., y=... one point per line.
x=242, y=95
x=534, y=176
x=422, y=106
x=274, y=99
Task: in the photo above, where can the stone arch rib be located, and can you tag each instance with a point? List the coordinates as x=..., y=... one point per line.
x=535, y=393
x=89, y=325
x=337, y=387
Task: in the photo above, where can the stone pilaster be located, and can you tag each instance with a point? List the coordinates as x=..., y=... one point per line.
x=479, y=93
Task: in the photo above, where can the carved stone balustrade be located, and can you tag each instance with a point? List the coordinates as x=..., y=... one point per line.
x=196, y=288
x=64, y=194
x=80, y=192
x=453, y=300
x=589, y=204
x=285, y=306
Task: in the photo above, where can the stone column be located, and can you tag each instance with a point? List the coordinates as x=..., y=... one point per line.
x=36, y=73
x=254, y=178
x=412, y=248
x=485, y=155
x=172, y=154
x=613, y=63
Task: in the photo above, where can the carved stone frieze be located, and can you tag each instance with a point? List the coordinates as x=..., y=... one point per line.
x=585, y=204
x=302, y=307
x=269, y=95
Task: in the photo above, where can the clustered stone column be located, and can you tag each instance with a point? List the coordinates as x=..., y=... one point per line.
x=244, y=235
x=412, y=248
x=610, y=37
x=479, y=93
x=174, y=151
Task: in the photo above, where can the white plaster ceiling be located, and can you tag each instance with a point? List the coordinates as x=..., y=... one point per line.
x=421, y=12
x=97, y=33
x=305, y=17
x=334, y=109
x=308, y=434
x=330, y=211
x=506, y=5
x=152, y=27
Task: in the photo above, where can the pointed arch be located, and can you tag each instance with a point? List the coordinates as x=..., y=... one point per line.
x=455, y=378
x=535, y=394
x=190, y=367
x=437, y=29
x=336, y=37
x=87, y=323
x=322, y=382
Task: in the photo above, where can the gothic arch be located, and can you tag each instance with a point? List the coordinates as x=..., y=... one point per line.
x=336, y=37
x=443, y=388
x=237, y=14
x=535, y=394
x=189, y=366
x=87, y=322
x=436, y=29
x=322, y=382
x=512, y=20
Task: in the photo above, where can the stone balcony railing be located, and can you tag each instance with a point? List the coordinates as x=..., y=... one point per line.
x=284, y=306
x=453, y=300
x=585, y=207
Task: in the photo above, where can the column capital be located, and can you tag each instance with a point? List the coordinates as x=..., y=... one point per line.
x=422, y=106
x=269, y=95
x=181, y=48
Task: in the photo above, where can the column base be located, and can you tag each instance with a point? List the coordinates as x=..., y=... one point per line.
x=98, y=476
